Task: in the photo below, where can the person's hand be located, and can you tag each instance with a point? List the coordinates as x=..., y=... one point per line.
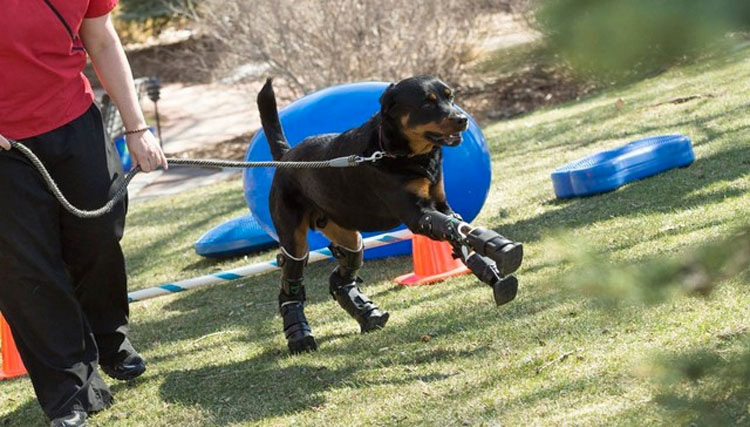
x=145, y=151
x=4, y=143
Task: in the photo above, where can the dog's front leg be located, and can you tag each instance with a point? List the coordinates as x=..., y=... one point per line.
x=490, y=256
x=438, y=226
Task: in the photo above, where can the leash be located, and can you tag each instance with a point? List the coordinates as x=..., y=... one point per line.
x=338, y=162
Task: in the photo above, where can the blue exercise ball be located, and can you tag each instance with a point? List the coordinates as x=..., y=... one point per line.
x=122, y=150
x=467, y=172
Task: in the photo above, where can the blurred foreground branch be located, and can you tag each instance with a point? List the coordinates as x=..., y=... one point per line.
x=615, y=40
x=696, y=272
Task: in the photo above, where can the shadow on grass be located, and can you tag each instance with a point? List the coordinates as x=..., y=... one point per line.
x=258, y=388
x=703, y=387
x=264, y=386
x=250, y=304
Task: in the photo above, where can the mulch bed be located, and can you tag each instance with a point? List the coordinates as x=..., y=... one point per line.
x=487, y=101
x=522, y=92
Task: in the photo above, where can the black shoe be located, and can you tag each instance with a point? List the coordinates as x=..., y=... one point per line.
x=124, y=364
x=77, y=418
x=129, y=368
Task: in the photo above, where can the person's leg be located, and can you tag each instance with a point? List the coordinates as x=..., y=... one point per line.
x=91, y=247
x=36, y=294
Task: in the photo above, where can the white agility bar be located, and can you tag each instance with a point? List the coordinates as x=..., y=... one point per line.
x=255, y=269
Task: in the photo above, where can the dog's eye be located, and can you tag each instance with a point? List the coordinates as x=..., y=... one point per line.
x=430, y=101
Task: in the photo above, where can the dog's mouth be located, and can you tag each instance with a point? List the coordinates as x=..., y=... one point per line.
x=450, y=140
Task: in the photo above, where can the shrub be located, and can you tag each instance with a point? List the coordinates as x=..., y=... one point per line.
x=317, y=43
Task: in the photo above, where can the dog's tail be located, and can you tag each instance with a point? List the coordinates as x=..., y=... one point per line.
x=269, y=117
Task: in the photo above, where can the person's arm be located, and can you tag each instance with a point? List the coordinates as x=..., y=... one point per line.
x=4, y=144
x=112, y=68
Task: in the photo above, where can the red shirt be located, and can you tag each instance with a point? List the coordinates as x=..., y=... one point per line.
x=42, y=86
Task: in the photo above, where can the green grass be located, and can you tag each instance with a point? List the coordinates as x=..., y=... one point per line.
x=217, y=355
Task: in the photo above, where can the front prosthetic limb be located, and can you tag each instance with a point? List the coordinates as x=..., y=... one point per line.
x=507, y=254
x=504, y=289
x=344, y=287
x=291, y=304
x=490, y=256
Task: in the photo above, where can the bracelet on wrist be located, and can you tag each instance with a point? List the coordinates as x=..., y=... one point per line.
x=139, y=130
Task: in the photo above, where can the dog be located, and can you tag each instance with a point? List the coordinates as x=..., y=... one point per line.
x=417, y=118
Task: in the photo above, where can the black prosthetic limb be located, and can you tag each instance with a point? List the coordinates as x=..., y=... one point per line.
x=506, y=254
x=504, y=289
x=291, y=304
x=344, y=287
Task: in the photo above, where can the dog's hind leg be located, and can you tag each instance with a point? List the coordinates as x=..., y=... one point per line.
x=348, y=249
x=292, y=260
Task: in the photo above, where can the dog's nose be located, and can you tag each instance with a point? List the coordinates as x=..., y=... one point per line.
x=460, y=119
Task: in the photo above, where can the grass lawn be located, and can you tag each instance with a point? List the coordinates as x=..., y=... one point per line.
x=217, y=355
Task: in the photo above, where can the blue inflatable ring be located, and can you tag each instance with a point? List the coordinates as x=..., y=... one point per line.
x=238, y=236
x=339, y=108
x=609, y=170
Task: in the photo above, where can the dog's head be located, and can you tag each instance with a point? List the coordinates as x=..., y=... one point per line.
x=421, y=108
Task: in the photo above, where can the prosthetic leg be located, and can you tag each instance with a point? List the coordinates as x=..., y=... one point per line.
x=504, y=289
x=506, y=254
x=291, y=303
x=491, y=257
x=344, y=287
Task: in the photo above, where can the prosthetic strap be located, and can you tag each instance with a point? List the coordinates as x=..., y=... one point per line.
x=349, y=261
x=292, y=270
x=439, y=226
x=296, y=327
x=483, y=268
x=487, y=242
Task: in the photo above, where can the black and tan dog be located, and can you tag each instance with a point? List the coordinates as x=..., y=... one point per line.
x=417, y=118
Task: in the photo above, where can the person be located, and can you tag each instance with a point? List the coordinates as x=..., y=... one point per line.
x=63, y=288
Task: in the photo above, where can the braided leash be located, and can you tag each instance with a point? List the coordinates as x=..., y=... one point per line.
x=339, y=162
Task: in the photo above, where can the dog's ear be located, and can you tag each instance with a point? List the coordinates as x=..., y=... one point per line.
x=387, y=99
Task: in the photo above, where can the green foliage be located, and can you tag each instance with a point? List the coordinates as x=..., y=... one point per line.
x=706, y=385
x=143, y=10
x=696, y=271
x=617, y=39
x=137, y=20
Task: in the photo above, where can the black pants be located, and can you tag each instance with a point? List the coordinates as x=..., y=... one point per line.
x=62, y=279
